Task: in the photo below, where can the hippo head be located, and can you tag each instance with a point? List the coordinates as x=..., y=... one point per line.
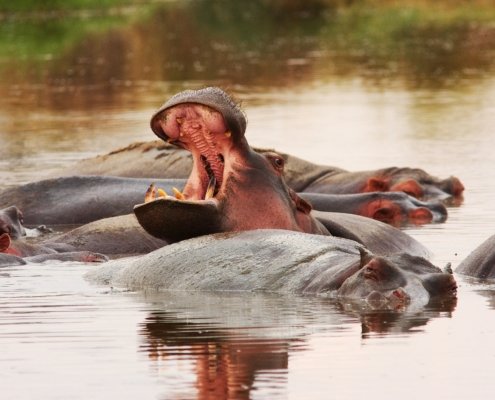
x=11, y=221
x=231, y=187
x=397, y=280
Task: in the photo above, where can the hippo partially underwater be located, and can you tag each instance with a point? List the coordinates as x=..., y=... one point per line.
x=233, y=189
x=282, y=261
x=14, y=250
x=480, y=263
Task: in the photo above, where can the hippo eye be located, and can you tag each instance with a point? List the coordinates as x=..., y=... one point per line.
x=277, y=162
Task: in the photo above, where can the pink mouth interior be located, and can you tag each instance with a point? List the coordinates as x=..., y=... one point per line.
x=203, y=132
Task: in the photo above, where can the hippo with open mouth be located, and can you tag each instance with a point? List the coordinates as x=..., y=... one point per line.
x=226, y=176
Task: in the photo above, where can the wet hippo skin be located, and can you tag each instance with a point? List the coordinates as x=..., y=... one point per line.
x=480, y=263
x=283, y=262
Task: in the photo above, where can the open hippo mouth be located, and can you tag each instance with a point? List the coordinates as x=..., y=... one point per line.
x=208, y=124
x=211, y=126
x=202, y=131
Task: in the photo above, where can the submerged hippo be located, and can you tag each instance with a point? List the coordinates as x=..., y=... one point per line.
x=481, y=262
x=283, y=262
x=79, y=200
x=20, y=253
x=158, y=160
x=15, y=249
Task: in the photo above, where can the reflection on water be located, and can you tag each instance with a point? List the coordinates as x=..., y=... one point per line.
x=62, y=338
x=343, y=83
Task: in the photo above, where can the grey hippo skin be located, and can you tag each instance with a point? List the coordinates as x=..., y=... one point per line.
x=78, y=199
x=115, y=237
x=481, y=262
x=7, y=260
x=282, y=262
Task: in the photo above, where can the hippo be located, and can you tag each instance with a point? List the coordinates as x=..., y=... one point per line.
x=11, y=222
x=21, y=253
x=159, y=160
x=228, y=178
x=123, y=235
x=115, y=237
x=16, y=250
x=394, y=208
x=281, y=261
x=76, y=200
x=480, y=263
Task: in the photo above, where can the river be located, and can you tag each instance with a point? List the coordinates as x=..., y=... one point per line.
x=326, y=97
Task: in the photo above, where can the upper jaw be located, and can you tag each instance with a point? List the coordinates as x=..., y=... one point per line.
x=211, y=98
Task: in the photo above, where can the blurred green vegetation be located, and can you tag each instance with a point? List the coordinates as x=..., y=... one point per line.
x=249, y=42
x=60, y=5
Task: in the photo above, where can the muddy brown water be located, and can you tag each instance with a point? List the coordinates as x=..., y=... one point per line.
x=63, y=338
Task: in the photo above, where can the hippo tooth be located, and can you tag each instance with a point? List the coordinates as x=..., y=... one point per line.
x=210, y=191
x=161, y=193
x=178, y=194
x=228, y=134
x=150, y=193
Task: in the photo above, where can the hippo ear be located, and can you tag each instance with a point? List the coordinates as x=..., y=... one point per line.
x=4, y=242
x=366, y=256
x=385, y=214
x=376, y=184
x=409, y=186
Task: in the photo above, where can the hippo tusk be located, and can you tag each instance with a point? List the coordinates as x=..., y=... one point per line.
x=161, y=193
x=178, y=194
x=210, y=191
x=150, y=194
